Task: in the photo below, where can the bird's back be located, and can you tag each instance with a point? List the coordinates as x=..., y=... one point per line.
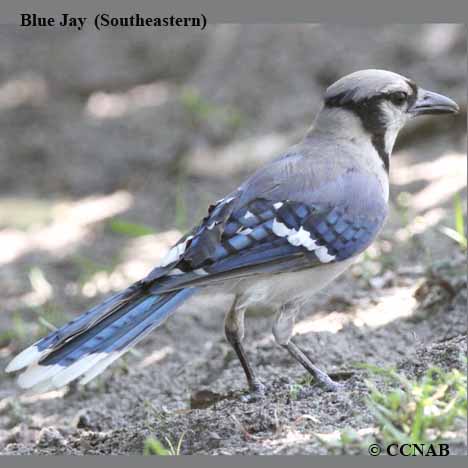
x=324, y=171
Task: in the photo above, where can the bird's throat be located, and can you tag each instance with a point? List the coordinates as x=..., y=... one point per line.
x=379, y=142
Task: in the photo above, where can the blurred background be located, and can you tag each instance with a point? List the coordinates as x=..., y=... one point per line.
x=112, y=144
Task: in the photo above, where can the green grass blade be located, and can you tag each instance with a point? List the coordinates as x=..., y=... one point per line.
x=459, y=219
x=154, y=447
x=120, y=226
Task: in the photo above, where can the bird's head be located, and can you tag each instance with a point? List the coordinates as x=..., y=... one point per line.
x=383, y=102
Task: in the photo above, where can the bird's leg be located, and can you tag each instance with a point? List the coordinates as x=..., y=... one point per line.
x=234, y=330
x=322, y=377
x=282, y=331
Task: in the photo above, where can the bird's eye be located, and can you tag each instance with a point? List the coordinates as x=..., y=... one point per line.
x=398, y=97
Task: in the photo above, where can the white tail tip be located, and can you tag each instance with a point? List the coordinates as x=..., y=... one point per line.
x=27, y=357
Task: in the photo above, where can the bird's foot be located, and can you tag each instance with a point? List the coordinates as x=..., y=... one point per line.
x=257, y=392
x=326, y=384
x=325, y=381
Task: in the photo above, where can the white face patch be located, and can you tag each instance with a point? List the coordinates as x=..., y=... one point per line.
x=395, y=119
x=301, y=238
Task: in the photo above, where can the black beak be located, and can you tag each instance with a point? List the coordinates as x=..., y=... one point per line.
x=433, y=103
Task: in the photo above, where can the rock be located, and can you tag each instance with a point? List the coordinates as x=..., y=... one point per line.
x=50, y=437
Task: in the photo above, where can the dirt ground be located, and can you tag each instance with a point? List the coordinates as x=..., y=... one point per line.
x=111, y=145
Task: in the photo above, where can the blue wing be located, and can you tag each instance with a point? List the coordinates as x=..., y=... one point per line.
x=264, y=236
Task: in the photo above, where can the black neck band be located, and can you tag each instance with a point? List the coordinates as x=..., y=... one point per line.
x=372, y=119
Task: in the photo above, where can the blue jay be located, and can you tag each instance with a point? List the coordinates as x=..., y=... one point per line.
x=285, y=233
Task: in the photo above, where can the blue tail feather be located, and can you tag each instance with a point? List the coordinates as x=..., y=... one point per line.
x=152, y=321
x=114, y=332
x=80, y=323
x=86, y=345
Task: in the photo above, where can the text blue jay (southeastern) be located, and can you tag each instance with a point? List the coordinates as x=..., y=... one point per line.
x=284, y=234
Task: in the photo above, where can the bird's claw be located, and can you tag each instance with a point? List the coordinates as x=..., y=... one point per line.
x=257, y=392
x=327, y=384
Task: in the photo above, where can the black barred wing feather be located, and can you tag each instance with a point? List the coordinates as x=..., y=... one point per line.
x=264, y=236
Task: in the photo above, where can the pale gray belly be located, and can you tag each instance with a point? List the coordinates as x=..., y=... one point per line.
x=270, y=292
